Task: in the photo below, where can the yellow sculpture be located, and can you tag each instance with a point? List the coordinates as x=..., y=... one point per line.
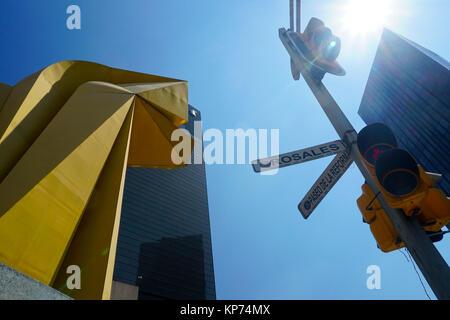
x=67, y=134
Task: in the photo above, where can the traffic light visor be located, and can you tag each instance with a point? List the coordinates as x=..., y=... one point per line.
x=325, y=45
x=397, y=172
x=312, y=26
x=375, y=139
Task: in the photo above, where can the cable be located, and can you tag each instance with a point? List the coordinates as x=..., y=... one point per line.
x=420, y=279
x=367, y=207
x=406, y=257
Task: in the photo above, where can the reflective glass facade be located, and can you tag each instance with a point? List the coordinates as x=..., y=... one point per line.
x=409, y=90
x=164, y=245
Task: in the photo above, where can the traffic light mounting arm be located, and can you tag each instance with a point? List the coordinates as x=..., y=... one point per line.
x=433, y=266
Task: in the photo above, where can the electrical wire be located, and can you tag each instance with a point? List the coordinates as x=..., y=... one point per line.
x=418, y=275
x=368, y=205
x=404, y=254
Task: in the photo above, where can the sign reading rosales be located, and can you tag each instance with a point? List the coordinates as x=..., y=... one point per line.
x=299, y=156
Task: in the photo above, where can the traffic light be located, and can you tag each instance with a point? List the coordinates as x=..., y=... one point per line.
x=403, y=183
x=322, y=42
x=435, y=210
x=381, y=227
x=318, y=48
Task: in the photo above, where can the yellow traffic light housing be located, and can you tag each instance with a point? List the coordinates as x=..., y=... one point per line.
x=435, y=210
x=403, y=183
x=321, y=40
x=381, y=227
x=323, y=46
x=435, y=213
x=395, y=171
x=316, y=47
x=406, y=186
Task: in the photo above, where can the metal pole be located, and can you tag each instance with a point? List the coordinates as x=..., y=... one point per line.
x=434, y=268
x=297, y=7
x=291, y=15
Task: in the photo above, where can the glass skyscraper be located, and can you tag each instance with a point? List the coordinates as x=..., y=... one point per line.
x=409, y=90
x=164, y=246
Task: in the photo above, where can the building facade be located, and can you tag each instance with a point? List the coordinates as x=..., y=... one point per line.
x=409, y=90
x=164, y=246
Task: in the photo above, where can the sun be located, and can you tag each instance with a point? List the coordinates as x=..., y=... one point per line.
x=364, y=16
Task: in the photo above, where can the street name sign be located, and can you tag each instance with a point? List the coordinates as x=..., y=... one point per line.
x=326, y=181
x=299, y=156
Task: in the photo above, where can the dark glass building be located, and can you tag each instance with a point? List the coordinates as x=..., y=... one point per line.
x=409, y=90
x=164, y=245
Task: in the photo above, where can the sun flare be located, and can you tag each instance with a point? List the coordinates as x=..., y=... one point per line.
x=363, y=16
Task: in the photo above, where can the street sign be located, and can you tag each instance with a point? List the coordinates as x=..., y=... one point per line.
x=326, y=181
x=299, y=156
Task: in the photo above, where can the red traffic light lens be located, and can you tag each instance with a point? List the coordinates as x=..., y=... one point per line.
x=372, y=154
x=375, y=139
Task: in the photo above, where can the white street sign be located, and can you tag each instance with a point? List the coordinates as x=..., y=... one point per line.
x=326, y=181
x=299, y=156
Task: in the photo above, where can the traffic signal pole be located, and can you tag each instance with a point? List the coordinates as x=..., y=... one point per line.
x=433, y=267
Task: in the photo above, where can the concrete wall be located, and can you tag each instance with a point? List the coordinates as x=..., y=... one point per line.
x=14, y=285
x=124, y=291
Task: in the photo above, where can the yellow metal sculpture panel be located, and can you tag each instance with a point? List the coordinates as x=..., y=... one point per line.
x=35, y=100
x=67, y=134
x=100, y=222
x=4, y=93
x=151, y=131
x=165, y=96
x=45, y=194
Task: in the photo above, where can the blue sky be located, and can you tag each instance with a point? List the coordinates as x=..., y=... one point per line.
x=239, y=77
